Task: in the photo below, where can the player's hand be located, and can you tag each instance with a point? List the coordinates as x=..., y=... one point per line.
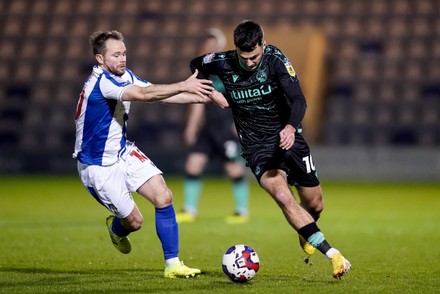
x=287, y=137
x=218, y=98
x=200, y=87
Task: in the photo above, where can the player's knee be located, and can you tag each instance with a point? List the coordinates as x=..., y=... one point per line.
x=315, y=208
x=165, y=198
x=235, y=171
x=194, y=168
x=133, y=223
x=320, y=207
x=316, y=211
x=137, y=225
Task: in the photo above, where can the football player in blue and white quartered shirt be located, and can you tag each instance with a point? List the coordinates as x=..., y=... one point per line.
x=111, y=167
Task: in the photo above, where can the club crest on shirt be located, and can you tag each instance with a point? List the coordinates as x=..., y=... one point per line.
x=126, y=83
x=261, y=76
x=208, y=58
x=290, y=69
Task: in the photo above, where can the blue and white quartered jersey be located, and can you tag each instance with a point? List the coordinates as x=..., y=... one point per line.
x=101, y=117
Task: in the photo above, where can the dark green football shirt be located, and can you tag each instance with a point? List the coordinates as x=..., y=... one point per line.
x=263, y=100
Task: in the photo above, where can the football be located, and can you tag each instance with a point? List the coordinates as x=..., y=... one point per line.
x=240, y=263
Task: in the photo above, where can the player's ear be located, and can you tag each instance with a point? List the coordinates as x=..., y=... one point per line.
x=264, y=44
x=99, y=58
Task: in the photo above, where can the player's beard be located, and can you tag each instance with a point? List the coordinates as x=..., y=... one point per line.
x=119, y=70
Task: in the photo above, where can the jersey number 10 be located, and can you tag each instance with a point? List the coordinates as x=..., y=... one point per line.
x=310, y=166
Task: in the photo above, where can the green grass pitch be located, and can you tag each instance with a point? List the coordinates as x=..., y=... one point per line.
x=53, y=239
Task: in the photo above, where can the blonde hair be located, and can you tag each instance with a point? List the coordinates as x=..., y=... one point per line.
x=97, y=40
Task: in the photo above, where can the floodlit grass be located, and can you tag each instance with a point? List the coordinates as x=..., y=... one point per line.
x=53, y=239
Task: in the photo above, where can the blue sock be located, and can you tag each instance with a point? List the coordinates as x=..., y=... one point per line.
x=118, y=229
x=167, y=231
x=191, y=189
x=240, y=189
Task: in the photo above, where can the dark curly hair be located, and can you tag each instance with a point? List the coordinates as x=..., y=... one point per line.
x=248, y=35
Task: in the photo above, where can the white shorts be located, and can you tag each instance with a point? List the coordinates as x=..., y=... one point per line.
x=112, y=185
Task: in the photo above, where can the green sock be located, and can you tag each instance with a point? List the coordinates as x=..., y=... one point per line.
x=240, y=190
x=315, y=237
x=191, y=189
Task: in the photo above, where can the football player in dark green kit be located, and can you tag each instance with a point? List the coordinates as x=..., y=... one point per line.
x=259, y=84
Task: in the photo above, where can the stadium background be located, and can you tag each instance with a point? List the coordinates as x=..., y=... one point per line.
x=371, y=69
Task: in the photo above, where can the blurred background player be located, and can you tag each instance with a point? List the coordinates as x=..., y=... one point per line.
x=210, y=133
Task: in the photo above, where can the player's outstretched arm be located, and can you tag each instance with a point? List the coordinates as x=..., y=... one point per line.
x=194, y=90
